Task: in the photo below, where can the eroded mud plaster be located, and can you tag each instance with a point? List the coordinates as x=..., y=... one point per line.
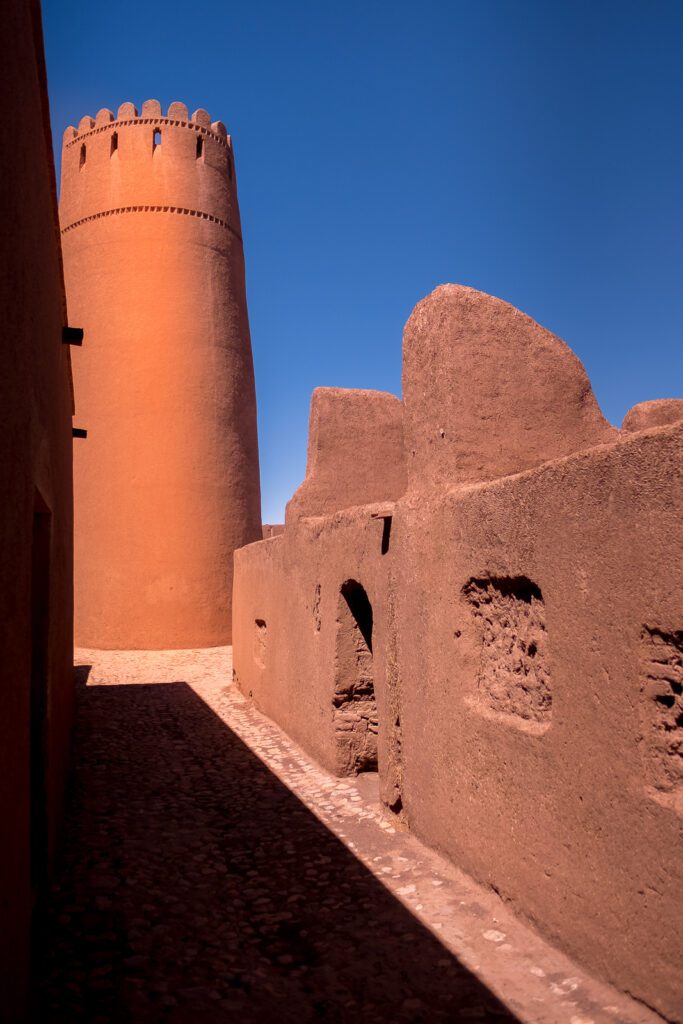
x=523, y=560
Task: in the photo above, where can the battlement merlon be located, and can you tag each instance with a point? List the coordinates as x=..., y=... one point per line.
x=148, y=159
x=177, y=114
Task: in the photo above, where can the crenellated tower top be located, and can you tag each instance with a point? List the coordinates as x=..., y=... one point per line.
x=128, y=162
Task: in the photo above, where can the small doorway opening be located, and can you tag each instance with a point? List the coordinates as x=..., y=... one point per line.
x=40, y=630
x=354, y=705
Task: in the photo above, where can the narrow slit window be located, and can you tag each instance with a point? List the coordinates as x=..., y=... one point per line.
x=114, y=143
x=200, y=146
x=82, y=159
x=229, y=167
x=386, y=534
x=156, y=141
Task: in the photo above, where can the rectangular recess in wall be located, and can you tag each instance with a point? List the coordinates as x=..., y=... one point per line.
x=661, y=714
x=513, y=678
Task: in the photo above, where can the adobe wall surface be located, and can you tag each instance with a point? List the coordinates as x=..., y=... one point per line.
x=356, y=463
x=540, y=646
x=653, y=414
x=167, y=482
x=290, y=587
x=527, y=644
x=272, y=530
x=35, y=470
x=355, y=452
x=487, y=391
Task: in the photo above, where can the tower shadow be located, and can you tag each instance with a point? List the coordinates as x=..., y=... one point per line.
x=193, y=887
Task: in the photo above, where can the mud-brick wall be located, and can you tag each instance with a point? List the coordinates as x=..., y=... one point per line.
x=526, y=583
x=312, y=607
x=540, y=644
x=168, y=484
x=36, y=506
x=312, y=620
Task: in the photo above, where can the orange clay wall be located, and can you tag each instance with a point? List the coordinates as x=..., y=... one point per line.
x=525, y=634
x=36, y=599
x=166, y=484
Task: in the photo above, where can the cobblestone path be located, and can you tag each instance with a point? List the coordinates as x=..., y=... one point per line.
x=195, y=887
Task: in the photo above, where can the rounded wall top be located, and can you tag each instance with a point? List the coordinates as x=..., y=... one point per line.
x=659, y=412
x=488, y=392
x=151, y=111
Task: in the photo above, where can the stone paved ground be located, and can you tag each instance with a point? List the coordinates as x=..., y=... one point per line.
x=212, y=873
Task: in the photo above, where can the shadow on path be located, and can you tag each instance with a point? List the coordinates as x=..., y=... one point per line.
x=193, y=887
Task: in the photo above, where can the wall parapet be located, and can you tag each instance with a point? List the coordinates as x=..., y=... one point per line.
x=127, y=115
x=355, y=452
x=222, y=140
x=148, y=162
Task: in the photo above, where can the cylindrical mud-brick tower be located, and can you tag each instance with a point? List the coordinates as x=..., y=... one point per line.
x=167, y=480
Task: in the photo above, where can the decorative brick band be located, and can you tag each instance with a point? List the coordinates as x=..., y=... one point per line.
x=200, y=129
x=153, y=209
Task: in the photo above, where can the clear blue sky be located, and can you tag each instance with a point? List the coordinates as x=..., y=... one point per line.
x=529, y=148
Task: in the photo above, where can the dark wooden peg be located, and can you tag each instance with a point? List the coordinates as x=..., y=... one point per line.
x=72, y=335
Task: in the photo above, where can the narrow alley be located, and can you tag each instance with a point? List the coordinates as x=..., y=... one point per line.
x=210, y=872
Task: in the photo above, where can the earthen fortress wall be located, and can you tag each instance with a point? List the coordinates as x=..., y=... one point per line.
x=36, y=511
x=166, y=484
x=503, y=632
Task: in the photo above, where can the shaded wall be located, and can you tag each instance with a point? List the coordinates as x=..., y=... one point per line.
x=36, y=515
x=290, y=616
x=293, y=583
x=527, y=654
